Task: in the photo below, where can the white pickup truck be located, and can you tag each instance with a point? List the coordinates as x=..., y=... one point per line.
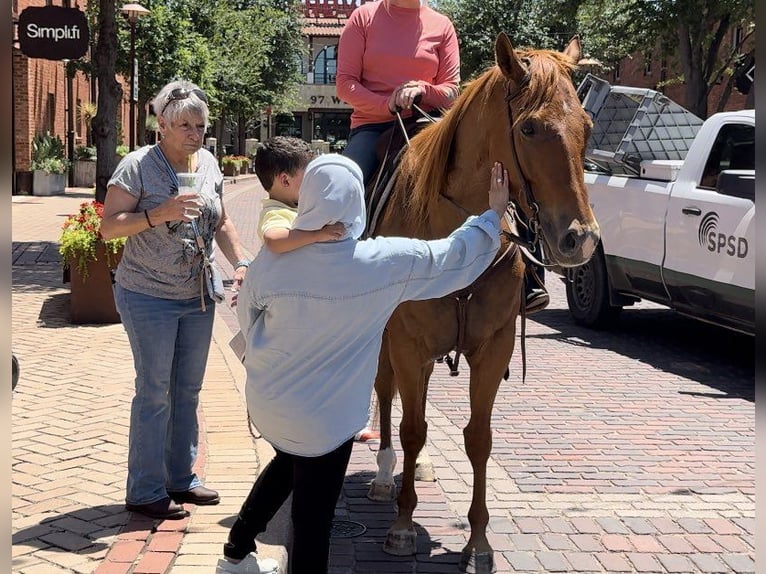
x=680, y=233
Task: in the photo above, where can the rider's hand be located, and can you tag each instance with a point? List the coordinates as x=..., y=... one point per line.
x=404, y=96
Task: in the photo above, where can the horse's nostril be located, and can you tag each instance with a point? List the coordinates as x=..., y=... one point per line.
x=569, y=243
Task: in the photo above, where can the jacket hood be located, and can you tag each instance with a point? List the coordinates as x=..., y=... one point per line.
x=332, y=191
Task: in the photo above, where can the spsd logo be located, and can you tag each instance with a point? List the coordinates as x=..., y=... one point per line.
x=714, y=241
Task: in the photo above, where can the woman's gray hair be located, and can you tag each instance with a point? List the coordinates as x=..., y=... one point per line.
x=170, y=108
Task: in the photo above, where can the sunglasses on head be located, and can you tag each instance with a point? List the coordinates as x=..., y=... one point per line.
x=182, y=94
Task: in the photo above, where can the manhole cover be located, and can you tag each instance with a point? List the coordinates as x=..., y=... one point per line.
x=347, y=529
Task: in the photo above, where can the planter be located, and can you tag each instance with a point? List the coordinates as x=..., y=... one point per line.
x=84, y=173
x=44, y=183
x=230, y=169
x=92, y=299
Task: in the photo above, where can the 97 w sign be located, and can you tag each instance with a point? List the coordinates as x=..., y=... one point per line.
x=53, y=33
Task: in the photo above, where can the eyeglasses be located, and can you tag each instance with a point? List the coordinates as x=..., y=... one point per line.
x=182, y=94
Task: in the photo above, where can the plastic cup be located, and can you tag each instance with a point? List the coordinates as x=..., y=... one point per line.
x=189, y=184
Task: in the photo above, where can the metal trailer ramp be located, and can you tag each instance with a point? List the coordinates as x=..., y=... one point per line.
x=634, y=124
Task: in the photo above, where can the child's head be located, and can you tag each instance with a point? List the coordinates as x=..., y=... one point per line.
x=280, y=163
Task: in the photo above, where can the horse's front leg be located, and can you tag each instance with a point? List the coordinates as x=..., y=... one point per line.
x=383, y=488
x=411, y=378
x=488, y=365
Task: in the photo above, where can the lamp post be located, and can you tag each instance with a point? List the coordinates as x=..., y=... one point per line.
x=133, y=12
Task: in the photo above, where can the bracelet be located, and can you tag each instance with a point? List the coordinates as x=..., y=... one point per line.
x=149, y=221
x=242, y=263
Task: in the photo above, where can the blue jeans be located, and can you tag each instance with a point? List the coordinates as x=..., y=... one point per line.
x=361, y=147
x=170, y=340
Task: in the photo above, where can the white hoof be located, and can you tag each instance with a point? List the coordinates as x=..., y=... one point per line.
x=381, y=491
x=401, y=542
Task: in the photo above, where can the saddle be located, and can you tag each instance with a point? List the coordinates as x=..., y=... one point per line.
x=389, y=148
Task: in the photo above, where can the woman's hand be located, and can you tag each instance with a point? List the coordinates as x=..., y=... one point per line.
x=181, y=207
x=404, y=96
x=498, y=189
x=331, y=232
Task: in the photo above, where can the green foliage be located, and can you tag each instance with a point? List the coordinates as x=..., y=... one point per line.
x=48, y=154
x=528, y=23
x=122, y=150
x=85, y=153
x=81, y=233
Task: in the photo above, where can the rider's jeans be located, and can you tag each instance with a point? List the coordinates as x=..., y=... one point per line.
x=170, y=340
x=361, y=146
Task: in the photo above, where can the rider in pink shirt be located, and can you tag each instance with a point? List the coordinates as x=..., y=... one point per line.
x=390, y=52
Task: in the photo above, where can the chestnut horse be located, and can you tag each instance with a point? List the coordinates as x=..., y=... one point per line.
x=524, y=112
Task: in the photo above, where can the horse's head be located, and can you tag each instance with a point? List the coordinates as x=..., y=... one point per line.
x=549, y=131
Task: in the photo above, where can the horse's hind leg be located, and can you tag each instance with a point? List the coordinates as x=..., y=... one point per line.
x=383, y=488
x=487, y=367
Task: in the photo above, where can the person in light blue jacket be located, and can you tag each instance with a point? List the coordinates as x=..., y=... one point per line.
x=313, y=321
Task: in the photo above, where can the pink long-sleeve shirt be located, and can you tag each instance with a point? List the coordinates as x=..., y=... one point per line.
x=381, y=48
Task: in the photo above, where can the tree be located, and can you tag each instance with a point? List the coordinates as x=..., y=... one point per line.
x=256, y=49
x=693, y=32
x=168, y=48
x=529, y=23
x=109, y=94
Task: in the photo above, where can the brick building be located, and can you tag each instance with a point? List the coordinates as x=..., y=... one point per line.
x=40, y=103
x=652, y=70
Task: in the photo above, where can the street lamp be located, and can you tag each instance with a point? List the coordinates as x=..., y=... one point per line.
x=133, y=12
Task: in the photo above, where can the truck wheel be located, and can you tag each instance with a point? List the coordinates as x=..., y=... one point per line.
x=587, y=290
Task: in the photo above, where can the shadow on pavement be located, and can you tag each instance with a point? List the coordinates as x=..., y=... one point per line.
x=79, y=531
x=710, y=355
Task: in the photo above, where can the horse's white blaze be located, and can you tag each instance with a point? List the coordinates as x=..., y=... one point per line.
x=386, y=464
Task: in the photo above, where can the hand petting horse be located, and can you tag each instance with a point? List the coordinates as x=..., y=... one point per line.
x=523, y=112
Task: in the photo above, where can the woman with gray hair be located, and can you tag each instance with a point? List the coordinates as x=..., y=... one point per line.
x=166, y=199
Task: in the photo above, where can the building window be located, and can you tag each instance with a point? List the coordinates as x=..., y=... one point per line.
x=326, y=65
x=648, y=64
x=616, y=72
x=49, y=121
x=737, y=36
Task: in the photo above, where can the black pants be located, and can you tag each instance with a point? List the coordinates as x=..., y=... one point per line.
x=316, y=483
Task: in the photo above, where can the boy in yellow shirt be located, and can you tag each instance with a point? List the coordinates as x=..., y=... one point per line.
x=280, y=163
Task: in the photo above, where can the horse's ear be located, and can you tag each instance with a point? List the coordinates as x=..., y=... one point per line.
x=574, y=49
x=507, y=59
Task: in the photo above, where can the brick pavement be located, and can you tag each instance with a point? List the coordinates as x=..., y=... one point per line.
x=629, y=453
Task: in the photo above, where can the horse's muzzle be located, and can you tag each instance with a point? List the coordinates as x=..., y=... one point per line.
x=576, y=245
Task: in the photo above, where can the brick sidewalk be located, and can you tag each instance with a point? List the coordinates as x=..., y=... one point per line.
x=628, y=452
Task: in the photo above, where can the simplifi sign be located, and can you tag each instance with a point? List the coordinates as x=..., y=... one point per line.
x=53, y=33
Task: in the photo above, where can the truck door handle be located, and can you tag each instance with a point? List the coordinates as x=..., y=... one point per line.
x=691, y=211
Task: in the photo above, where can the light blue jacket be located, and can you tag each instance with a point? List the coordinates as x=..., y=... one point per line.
x=313, y=321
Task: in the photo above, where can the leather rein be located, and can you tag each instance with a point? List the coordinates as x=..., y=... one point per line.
x=514, y=214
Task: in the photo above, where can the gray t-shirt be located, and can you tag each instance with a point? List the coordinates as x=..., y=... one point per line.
x=164, y=261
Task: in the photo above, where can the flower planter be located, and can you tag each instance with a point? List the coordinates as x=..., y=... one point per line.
x=230, y=169
x=92, y=298
x=44, y=183
x=84, y=173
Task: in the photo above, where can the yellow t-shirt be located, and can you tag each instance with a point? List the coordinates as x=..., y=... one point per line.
x=275, y=214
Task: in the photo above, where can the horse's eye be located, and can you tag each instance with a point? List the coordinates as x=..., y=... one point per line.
x=528, y=129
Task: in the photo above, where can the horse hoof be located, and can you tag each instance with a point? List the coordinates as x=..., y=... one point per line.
x=425, y=472
x=477, y=563
x=400, y=542
x=381, y=492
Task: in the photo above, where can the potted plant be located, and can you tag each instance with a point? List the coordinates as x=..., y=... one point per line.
x=230, y=165
x=84, y=166
x=89, y=263
x=49, y=167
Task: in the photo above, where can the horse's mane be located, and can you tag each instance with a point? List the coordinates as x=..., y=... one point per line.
x=424, y=166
